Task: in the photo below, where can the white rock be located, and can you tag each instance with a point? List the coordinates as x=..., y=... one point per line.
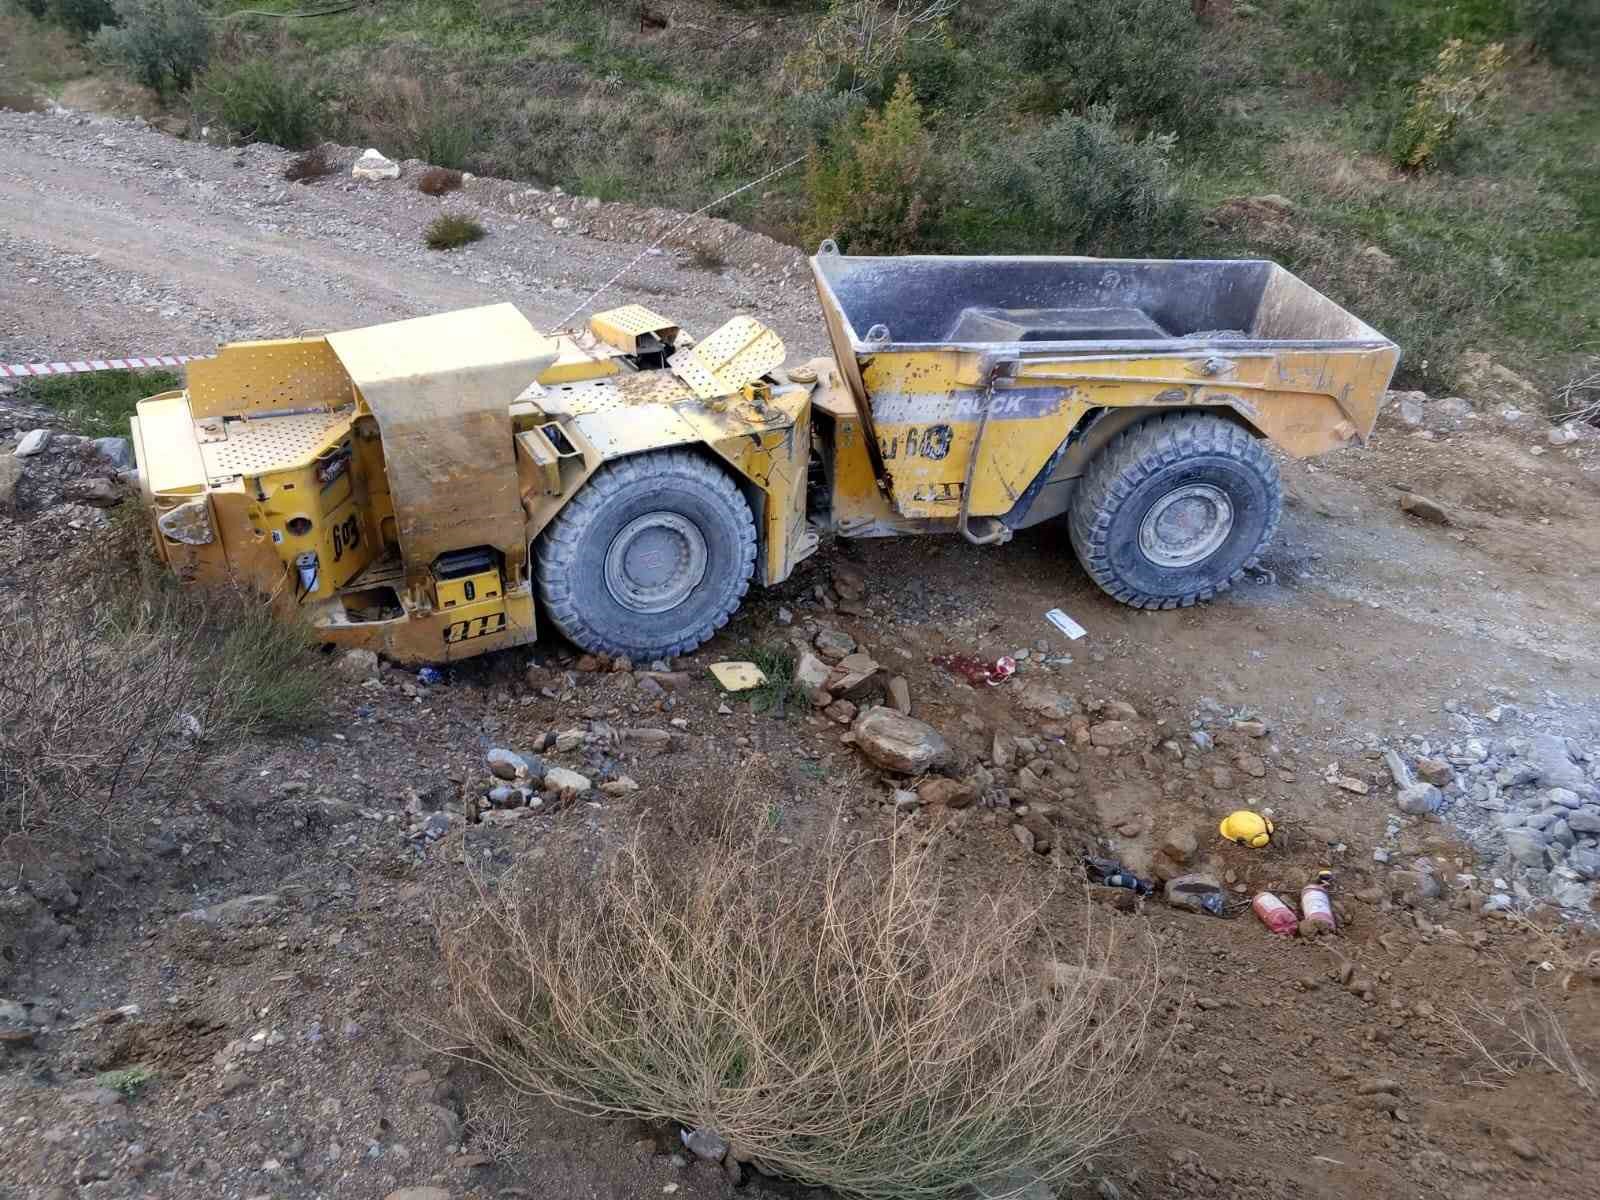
x=33, y=442
x=372, y=165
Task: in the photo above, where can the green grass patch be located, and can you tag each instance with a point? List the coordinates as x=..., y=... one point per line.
x=781, y=696
x=452, y=230
x=130, y=1081
x=99, y=403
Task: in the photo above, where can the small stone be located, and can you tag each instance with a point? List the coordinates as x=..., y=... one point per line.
x=33, y=442
x=1045, y=701
x=1425, y=509
x=1252, y=765
x=705, y=1144
x=952, y=793
x=118, y=451
x=1419, y=799
x=1024, y=836
x=1436, y=771
x=833, y=644
x=901, y=798
x=810, y=671
x=1112, y=734
x=569, y=740
x=900, y=694
x=841, y=712
x=507, y=765
x=418, y=1193
x=359, y=663
x=1584, y=820
x=373, y=165
x=565, y=782
x=850, y=583
x=1526, y=847
x=1195, y=893
x=620, y=786
x=1522, y=1148
x=1180, y=846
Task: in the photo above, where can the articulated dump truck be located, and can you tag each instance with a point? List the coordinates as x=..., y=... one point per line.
x=435, y=488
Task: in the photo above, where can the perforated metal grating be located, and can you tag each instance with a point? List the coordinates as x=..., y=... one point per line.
x=269, y=443
x=742, y=350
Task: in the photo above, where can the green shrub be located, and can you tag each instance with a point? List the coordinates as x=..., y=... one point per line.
x=1445, y=101
x=452, y=230
x=1076, y=186
x=1147, y=58
x=872, y=191
x=160, y=43
x=82, y=17
x=34, y=8
x=261, y=101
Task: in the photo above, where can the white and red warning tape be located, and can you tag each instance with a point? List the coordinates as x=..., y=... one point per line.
x=32, y=370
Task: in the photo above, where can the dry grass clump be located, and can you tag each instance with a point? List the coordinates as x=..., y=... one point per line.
x=116, y=691
x=829, y=1012
x=313, y=164
x=436, y=181
x=1524, y=1033
x=452, y=230
x=1579, y=398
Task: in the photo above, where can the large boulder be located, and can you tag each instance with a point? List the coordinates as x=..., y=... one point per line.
x=897, y=742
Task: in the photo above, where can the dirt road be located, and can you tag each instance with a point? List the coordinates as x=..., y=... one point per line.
x=1367, y=630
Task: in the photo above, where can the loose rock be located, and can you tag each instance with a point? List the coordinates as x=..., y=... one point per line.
x=373, y=165
x=900, y=743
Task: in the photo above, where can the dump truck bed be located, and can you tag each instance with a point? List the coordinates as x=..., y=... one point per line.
x=1076, y=305
x=1019, y=356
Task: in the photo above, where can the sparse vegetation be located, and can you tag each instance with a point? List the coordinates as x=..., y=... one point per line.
x=124, y=685
x=782, y=695
x=100, y=403
x=1445, y=101
x=262, y=102
x=452, y=230
x=822, y=1010
x=130, y=1081
x=162, y=44
x=312, y=165
x=436, y=181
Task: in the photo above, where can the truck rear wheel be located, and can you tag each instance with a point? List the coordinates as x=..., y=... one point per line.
x=650, y=558
x=1174, y=509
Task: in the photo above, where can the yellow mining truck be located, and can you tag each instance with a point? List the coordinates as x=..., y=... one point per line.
x=432, y=488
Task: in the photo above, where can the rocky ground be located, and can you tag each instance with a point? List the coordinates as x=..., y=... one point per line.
x=238, y=1000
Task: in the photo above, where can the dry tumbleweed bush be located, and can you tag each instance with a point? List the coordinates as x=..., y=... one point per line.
x=828, y=1012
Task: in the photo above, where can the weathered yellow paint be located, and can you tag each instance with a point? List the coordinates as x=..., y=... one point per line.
x=925, y=405
x=267, y=376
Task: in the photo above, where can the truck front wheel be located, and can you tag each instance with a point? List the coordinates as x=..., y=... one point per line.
x=650, y=558
x=1174, y=509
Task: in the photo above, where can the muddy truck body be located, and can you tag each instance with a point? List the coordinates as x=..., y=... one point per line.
x=441, y=487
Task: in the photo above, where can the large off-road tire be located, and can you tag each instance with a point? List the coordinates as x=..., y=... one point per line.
x=650, y=558
x=1173, y=510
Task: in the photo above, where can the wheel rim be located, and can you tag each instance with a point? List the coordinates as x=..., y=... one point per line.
x=654, y=562
x=1186, y=526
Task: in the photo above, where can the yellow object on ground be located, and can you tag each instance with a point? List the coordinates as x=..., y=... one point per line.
x=738, y=676
x=1247, y=828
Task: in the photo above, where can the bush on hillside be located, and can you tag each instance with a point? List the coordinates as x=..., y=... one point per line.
x=261, y=102
x=872, y=190
x=81, y=17
x=824, y=1010
x=1075, y=186
x=118, y=690
x=162, y=44
x=1146, y=58
x=1446, y=101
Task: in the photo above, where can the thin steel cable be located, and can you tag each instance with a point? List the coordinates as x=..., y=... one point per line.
x=594, y=295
